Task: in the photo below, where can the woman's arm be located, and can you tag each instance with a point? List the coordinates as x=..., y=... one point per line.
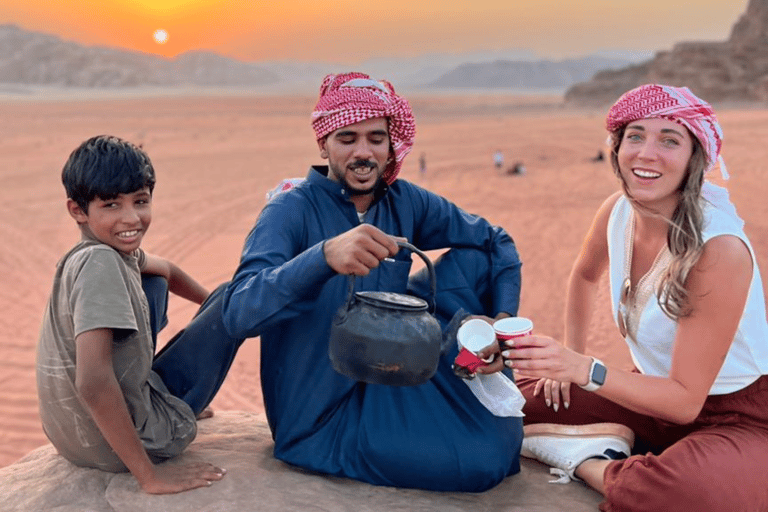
x=179, y=282
x=589, y=266
x=580, y=298
x=718, y=286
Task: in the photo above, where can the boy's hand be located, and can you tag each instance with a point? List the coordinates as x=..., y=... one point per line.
x=170, y=479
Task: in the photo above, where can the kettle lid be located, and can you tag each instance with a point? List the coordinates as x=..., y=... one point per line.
x=392, y=300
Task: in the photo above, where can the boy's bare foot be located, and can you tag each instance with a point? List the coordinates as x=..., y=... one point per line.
x=207, y=413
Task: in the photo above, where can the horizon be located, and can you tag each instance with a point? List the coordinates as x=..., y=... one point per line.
x=312, y=32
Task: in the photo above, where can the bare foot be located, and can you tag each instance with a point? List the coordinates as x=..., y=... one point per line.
x=207, y=413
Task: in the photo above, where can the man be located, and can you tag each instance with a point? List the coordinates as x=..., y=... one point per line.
x=342, y=220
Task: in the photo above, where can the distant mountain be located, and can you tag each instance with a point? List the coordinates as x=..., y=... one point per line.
x=36, y=59
x=33, y=58
x=517, y=74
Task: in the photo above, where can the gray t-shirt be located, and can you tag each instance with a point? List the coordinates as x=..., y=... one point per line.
x=95, y=287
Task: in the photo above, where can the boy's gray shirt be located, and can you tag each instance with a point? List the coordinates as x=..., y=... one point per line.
x=96, y=287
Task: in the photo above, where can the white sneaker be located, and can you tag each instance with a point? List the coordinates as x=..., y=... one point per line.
x=567, y=446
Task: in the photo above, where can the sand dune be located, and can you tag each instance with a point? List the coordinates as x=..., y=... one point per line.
x=217, y=156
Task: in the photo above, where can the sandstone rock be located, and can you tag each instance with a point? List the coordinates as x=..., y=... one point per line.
x=241, y=442
x=733, y=71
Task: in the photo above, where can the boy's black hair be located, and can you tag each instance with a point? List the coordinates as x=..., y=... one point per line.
x=105, y=166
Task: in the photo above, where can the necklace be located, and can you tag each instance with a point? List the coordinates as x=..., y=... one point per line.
x=632, y=300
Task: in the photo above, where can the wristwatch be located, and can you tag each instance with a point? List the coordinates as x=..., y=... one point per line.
x=597, y=374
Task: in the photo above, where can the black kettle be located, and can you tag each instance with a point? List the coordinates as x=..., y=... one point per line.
x=385, y=337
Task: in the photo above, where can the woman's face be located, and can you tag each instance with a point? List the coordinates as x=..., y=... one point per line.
x=653, y=159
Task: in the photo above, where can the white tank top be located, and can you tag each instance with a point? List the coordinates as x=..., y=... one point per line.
x=651, y=333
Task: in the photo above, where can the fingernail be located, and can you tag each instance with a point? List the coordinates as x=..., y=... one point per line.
x=548, y=402
x=566, y=404
x=506, y=354
x=556, y=407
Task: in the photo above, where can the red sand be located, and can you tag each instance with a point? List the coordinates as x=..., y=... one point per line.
x=217, y=156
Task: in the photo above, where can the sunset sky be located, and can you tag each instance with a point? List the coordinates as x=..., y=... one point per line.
x=350, y=32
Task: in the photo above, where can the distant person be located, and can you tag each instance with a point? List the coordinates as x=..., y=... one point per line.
x=687, y=296
x=498, y=160
x=423, y=165
x=294, y=275
x=103, y=402
x=518, y=169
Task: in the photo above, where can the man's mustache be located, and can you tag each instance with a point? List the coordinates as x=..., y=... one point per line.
x=357, y=164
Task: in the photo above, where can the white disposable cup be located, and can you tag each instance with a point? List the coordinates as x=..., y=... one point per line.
x=473, y=336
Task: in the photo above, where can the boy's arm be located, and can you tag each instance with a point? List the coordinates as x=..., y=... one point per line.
x=100, y=392
x=179, y=282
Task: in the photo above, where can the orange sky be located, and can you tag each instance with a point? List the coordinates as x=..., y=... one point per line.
x=346, y=31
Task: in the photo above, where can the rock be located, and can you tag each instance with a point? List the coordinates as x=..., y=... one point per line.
x=241, y=442
x=734, y=71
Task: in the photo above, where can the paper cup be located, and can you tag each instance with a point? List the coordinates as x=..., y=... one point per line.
x=473, y=337
x=512, y=327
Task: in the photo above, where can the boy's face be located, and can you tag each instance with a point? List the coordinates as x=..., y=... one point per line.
x=120, y=222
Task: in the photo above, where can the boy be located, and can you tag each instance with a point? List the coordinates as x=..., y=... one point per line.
x=104, y=402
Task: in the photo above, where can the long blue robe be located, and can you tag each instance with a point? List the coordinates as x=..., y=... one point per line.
x=433, y=436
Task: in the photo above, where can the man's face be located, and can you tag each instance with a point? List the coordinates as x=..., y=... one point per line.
x=358, y=154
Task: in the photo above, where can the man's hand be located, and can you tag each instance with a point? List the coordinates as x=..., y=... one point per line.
x=170, y=479
x=357, y=251
x=491, y=351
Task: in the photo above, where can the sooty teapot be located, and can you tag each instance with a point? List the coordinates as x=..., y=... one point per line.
x=387, y=338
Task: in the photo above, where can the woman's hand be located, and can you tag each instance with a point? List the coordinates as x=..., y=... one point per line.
x=554, y=392
x=546, y=358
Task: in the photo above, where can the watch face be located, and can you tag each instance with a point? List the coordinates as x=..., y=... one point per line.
x=598, y=374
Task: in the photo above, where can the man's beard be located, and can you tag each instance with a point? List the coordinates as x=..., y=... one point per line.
x=341, y=177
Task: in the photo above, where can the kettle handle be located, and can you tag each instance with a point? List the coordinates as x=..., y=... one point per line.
x=430, y=269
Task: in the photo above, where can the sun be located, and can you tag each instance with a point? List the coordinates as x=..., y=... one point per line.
x=160, y=36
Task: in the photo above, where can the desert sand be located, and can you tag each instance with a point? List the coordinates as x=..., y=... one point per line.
x=216, y=156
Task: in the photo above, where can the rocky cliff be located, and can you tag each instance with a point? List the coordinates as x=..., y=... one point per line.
x=732, y=71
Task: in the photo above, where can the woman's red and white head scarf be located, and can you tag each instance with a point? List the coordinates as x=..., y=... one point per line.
x=353, y=97
x=677, y=104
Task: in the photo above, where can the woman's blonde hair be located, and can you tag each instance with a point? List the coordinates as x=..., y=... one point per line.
x=684, y=236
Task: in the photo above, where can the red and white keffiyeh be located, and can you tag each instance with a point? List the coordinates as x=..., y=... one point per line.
x=677, y=104
x=353, y=97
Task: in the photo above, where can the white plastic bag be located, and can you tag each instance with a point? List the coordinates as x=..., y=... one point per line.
x=498, y=394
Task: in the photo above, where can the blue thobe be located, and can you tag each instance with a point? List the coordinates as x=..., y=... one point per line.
x=432, y=436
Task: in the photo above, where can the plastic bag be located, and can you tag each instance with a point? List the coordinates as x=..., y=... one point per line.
x=498, y=394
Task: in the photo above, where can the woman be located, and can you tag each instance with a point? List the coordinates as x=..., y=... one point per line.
x=688, y=298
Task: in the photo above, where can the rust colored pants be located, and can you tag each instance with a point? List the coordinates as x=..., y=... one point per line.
x=717, y=463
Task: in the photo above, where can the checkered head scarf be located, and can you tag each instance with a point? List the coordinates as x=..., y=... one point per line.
x=353, y=97
x=677, y=104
